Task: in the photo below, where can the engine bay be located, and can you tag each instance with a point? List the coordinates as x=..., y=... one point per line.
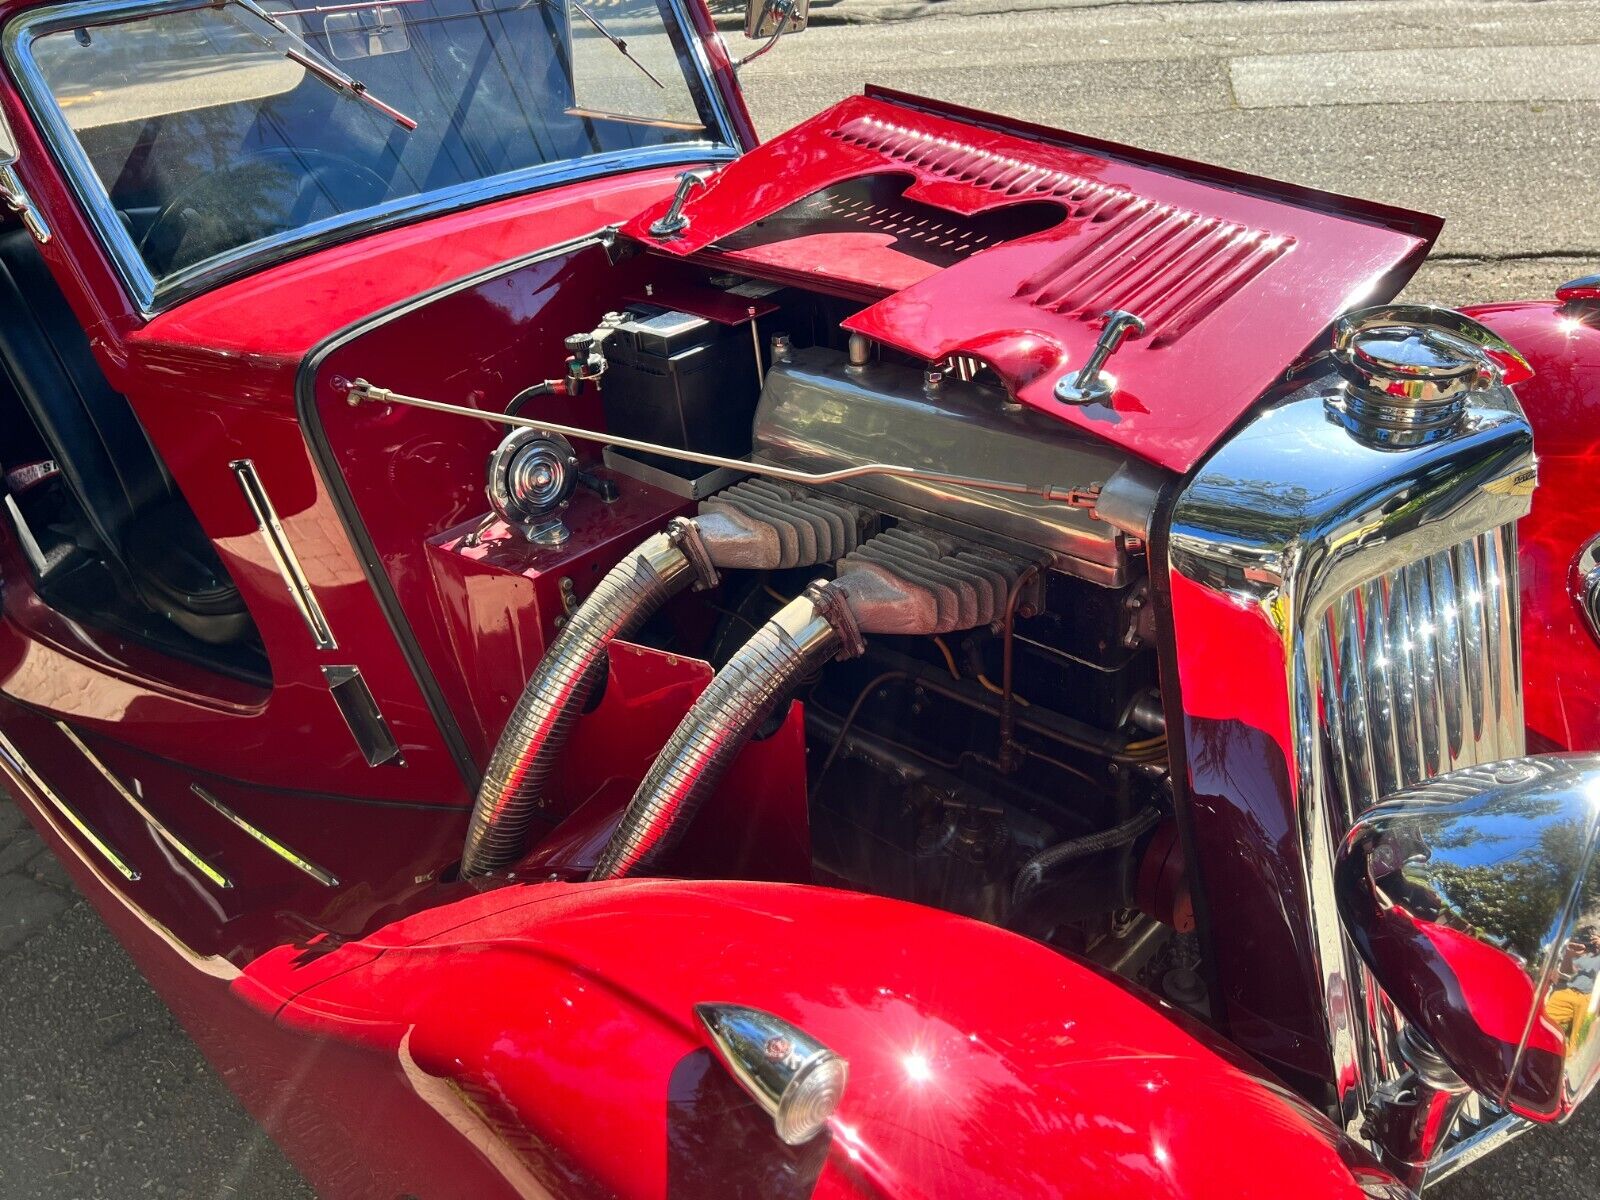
x=988, y=738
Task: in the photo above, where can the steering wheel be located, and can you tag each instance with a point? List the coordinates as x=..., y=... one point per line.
x=266, y=192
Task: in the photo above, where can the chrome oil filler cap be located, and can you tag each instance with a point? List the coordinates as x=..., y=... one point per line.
x=1409, y=370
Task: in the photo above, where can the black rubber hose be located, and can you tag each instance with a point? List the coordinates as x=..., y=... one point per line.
x=1031, y=877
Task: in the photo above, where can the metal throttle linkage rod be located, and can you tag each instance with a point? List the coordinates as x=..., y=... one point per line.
x=361, y=392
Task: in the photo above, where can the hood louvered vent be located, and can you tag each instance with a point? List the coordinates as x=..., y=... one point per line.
x=1169, y=264
x=962, y=163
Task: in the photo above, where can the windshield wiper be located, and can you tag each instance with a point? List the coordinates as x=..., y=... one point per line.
x=303, y=53
x=622, y=46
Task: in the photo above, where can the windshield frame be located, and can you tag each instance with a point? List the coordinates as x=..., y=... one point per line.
x=151, y=295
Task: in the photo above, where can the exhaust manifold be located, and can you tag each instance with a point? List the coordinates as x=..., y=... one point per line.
x=754, y=525
x=904, y=581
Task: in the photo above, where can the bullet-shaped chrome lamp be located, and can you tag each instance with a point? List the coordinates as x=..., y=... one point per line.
x=794, y=1077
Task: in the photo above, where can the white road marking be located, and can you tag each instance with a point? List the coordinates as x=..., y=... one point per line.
x=1474, y=74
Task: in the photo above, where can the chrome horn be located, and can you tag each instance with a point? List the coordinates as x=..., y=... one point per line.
x=1475, y=900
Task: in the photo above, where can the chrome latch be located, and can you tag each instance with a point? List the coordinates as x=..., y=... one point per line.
x=672, y=223
x=1090, y=384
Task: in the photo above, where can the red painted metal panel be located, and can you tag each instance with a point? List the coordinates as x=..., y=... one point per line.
x=755, y=825
x=1234, y=277
x=567, y=1013
x=1561, y=662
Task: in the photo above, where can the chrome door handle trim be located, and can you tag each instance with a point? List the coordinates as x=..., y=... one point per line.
x=283, y=555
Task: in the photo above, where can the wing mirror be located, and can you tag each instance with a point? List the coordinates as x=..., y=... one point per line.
x=1474, y=898
x=768, y=20
x=12, y=194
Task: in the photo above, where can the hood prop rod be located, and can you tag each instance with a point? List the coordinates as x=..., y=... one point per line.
x=361, y=392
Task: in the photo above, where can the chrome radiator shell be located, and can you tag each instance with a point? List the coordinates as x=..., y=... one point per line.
x=1325, y=648
x=818, y=412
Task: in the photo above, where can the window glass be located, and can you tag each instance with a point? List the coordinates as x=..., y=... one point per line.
x=212, y=128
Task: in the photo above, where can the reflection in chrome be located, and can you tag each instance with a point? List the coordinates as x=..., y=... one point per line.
x=133, y=802
x=266, y=839
x=1472, y=896
x=1474, y=1146
x=1586, y=585
x=794, y=1077
x=23, y=768
x=15, y=197
x=672, y=223
x=1410, y=369
x=283, y=555
x=1328, y=540
x=1421, y=671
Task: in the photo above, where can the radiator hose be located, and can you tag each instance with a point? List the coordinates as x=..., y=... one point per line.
x=1032, y=875
x=530, y=746
x=904, y=581
x=804, y=635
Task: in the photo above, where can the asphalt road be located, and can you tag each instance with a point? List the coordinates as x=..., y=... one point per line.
x=1488, y=113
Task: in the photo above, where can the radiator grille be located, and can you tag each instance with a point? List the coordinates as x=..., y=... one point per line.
x=1420, y=671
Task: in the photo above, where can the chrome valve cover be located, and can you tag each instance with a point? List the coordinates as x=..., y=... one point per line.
x=817, y=411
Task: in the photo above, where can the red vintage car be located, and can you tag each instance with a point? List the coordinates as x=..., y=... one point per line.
x=585, y=655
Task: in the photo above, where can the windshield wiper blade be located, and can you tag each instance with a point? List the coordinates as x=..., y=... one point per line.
x=621, y=45
x=303, y=53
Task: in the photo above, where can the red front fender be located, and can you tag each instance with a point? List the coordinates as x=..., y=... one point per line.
x=555, y=1022
x=1562, y=400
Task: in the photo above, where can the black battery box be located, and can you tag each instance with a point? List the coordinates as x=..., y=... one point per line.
x=683, y=381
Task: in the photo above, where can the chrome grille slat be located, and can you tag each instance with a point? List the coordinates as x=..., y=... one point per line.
x=1473, y=635
x=1381, y=677
x=1447, y=642
x=1420, y=672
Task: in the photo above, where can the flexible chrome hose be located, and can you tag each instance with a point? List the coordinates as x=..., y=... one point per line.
x=530, y=746
x=761, y=674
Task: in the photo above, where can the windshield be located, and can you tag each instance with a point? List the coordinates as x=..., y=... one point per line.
x=218, y=128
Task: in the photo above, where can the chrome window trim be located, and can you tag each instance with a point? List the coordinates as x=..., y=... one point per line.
x=1281, y=521
x=151, y=296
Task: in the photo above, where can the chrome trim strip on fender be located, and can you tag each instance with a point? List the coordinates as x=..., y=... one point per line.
x=283, y=555
x=25, y=769
x=155, y=823
x=325, y=878
x=1290, y=521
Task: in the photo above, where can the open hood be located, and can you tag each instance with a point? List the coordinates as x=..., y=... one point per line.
x=970, y=235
